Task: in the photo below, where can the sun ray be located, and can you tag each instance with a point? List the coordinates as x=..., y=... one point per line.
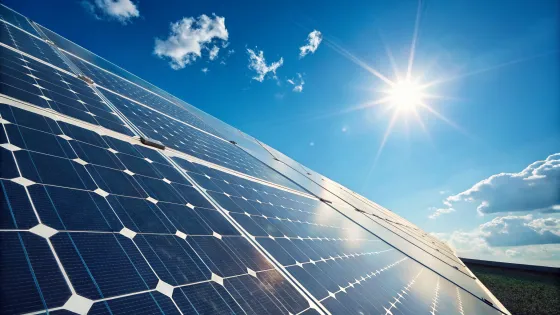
x=382, y=145
x=366, y=105
x=386, y=136
x=420, y=121
x=391, y=57
x=356, y=60
x=494, y=67
x=442, y=97
x=413, y=43
x=443, y=118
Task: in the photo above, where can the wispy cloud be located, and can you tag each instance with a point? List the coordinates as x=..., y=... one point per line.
x=205, y=70
x=214, y=53
x=313, y=41
x=536, y=188
x=258, y=64
x=120, y=10
x=189, y=37
x=297, y=83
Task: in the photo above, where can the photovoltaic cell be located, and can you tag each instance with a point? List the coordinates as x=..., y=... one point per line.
x=306, y=237
x=95, y=222
x=112, y=243
x=33, y=82
x=16, y=19
x=30, y=44
x=31, y=279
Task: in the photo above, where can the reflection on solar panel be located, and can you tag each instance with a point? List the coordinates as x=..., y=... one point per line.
x=95, y=221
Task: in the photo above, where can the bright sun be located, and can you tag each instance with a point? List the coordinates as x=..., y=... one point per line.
x=405, y=96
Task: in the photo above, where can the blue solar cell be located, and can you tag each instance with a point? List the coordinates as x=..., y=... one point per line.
x=82, y=134
x=39, y=141
x=31, y=279
x=206, y=299
x=103, y=265
x=146, y=303
x=16, y=211
x=29, y=44
x=115, y=181
x=28, y=119
x=247, y=253
x=159, y=190
x=140, y=215
x=217, y=256
x=47, y=169
x=185, y=219
x=167, y=171
x=122, y=146
x=71, y=209
x=172, y=259
x=16, y=19
x=97, y=155
x=217, y=222
x=283, y=290
x=8, y=167
x=152, y=155
x=138, y=165
x=192, y=196
x=41, y=85
x=249, y=224
x=249, y=293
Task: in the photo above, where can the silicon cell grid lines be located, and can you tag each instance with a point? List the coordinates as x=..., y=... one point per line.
x=95, y=222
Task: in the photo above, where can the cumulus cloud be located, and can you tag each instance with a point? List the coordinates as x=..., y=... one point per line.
x=521, y=230
x=190, y=37
x=297, y=83
x=508, y=238
x=313, y=40
x=258, y=64
x=120, y=10
x=536, y=188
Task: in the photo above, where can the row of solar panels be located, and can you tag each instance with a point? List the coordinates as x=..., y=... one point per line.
x=94, y=221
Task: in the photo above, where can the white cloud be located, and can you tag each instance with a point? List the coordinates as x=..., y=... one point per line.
x=297, y=83
x=189, y=37
x=536, y=188
x=120, y=10
x=344, y=129
x=313, y=40
x=205, y=70
x=520, y=239
x=440, y=211
x=214, y=53
x=521, y=230
x=258, y=64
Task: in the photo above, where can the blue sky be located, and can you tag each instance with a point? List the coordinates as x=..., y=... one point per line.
x=499, y=60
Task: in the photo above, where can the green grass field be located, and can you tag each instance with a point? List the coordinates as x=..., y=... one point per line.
x=521, y=291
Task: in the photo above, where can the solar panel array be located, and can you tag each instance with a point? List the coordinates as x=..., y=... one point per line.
x=96, y=222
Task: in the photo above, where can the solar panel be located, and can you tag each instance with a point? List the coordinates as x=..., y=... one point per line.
x=96, y=221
